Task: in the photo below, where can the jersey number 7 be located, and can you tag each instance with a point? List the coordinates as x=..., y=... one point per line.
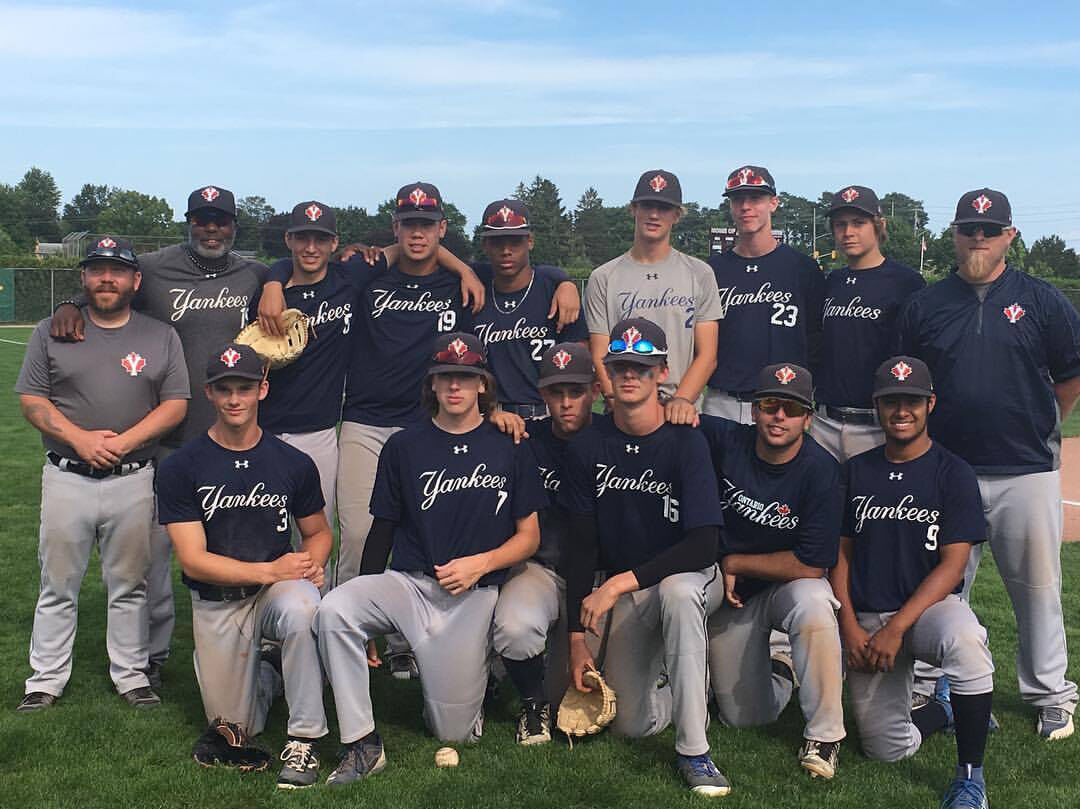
x=502, y=499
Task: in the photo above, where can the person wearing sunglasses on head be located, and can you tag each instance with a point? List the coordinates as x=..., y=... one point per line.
x=1004, y=350
x=202, y=289
x=455, y=501
x=643, y=509
x=782, y=501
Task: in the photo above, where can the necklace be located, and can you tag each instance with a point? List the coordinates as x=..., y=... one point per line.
x=510, y=306
x=209, y=267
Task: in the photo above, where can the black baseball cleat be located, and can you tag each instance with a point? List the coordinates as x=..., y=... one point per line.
x=153, y=674
x=362, y=758
x=142, y=697
x=225, y=744
x=36, y=701
x=403, y=666
x=534, y=723
x=301, y=767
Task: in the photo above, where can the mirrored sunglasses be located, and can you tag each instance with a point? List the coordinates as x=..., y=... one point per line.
x=792, y=409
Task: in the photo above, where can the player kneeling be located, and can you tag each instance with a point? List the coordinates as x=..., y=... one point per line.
x=226, y=498
x=913, y=512
x=456, y=501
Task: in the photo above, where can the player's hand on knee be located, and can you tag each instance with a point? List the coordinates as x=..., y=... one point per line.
x=373, y=659
x=92, y=446
x=595, y=606
x=67, y=323
x=855, y=641
x=291, y=566
x=510, y=423
x=730, y=595
x=681, y=411
x=581, y=660
x=316, y=575
x=458, y=575
x=566, y=304
x=271, y=305
x=883, y=648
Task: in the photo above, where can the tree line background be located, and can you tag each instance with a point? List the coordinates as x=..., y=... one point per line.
x=577, y=239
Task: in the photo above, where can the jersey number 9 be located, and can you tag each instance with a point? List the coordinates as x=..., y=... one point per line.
x=931, y=538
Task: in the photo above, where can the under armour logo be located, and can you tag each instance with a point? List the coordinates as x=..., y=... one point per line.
x=751, y=267
x=211, y=275
x=850, y=279
x=306, y=295
x=412, y=286
x=510, y=305
x=896, y=476
x=652, y=276
x=463, y=449
x=241, y=464
x=634, y=448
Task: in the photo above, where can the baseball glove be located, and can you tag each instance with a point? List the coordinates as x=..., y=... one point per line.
x=582, y=714
x=278, y=351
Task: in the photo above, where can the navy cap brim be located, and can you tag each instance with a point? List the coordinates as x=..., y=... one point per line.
x=430, y=216
x=573, y=379
x=636, y=359
x=131, y=265
x=758, y=189
x=313, y=228
x=232, y=373
x=476, y=370
x=487, y=232
x=981, y=220
x=853, y=207
x=656, y=198
x=904, y=390
x=781, y=393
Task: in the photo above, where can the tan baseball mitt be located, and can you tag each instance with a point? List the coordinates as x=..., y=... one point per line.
x=278, y=351
x=583, y=714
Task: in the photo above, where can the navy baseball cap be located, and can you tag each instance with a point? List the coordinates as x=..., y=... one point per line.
x=505, y=217
x=983, y=206
x=119, y=251
x=419, y=201
x=857, y=197
x=312, y=215
x=785, y=380
x=211, y=196
x=658, y=185
x=637, y=340
x=566, y=362
x=234, y=359
x=458, y=353
x=908, y=375
x=750, y=178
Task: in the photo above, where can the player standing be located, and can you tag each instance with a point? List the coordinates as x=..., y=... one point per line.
x=1005, y=350
x=202, y=289
x=654, y=280
x=640, y=494
x=455, y=501
x=770, y=296
x=529, y=616
x=862, y=304
x=226, y=498
x=911, y=515
x=782, y=504
x=101, y=408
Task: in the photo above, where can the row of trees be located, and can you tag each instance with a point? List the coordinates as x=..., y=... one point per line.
x=578, y=239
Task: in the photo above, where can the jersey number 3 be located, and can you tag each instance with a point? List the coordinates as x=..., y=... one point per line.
x=284, y=524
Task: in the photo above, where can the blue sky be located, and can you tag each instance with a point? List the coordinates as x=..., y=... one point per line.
x=344, y=102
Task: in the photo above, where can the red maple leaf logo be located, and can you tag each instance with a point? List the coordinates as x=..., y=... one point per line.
x=1014, y=312
x=901, y=371
x=210, y=193
x=133, y=363
x=230, y=357
x=849, y=195
x=658, y=183
x=458, y=347
x=631, y=336
x=505, y=213
x=785, y=375
x=561, y=359
x=313, y=212
x=417, y=196
x=106, y=242
x=783, y=510
x=982, y=203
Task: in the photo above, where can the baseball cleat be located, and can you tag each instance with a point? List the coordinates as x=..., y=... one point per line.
x=142, y=697
x=1054, y=724
x=362, y=758
x=403, y=666
x=702, y=776
x=225, y=744
x=301, y=767
x=534, y=723
x=36, y=701
x=153, y=674
x=965, y=793
x=819, y=758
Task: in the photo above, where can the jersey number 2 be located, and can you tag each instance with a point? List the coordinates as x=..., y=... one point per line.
x=784, y=315
x=931, y=538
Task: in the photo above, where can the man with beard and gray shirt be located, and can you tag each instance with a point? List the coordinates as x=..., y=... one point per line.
x=202, y=289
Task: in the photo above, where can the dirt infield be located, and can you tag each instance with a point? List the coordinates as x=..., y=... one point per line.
x=1070, y=487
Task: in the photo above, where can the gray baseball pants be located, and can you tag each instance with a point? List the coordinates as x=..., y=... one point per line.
x=322, y=447
x=227, y=639
x=77, y=514
x=947, y=635
x=159, y=581
x=845, y=439
x=747, y=691
x=448, y=634
x=720, y=403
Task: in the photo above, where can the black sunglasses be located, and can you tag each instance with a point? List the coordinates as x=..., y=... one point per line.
x=205, y=217
x=988, y=230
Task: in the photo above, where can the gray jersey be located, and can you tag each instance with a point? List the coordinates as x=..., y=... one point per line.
x=676, y=294
x=206, y=309
x=110, y=381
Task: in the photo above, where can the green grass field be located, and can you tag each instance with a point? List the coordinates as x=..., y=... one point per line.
x=94, y=751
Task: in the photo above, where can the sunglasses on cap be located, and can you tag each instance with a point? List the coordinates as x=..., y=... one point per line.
x=206, y=216
x=122, y=253
x=640, y=347
x=990, y=231
x=792, y=409
x=450, y=357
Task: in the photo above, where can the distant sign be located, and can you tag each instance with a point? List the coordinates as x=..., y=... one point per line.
x=724, y=238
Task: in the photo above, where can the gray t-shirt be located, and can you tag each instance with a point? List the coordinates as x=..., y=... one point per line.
x=110, y=381
x=206, y=309
x=676, y=294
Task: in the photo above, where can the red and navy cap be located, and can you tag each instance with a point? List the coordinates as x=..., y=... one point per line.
x=312, y=215
x=750, y=178
x=419, y=201
x=658, y=185
x=458, y=353
x=566, y=362
x=983, y=206
x=234, y=359
x=211, y=196
x=637, y=340
x=785, y=380
x=908, y=375
x=505, y=217
x=857, y=197
x=108, y=248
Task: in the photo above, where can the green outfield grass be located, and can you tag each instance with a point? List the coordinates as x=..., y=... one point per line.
x=94, y=751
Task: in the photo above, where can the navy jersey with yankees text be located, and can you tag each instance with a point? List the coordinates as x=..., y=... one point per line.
x=453, y=495
x=306, y=395
x=244, y=499
x=859, y=329
x=994, y=364
x=400, y=316
x=645, y=491
x=899, y=515
x=771, y=313
x=794, y=506
x=550, y=453
x=517, y=331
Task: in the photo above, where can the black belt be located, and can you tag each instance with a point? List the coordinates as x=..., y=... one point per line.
x=88, y=471
x=209, y=592
x=849, y=415
x=526, y=411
